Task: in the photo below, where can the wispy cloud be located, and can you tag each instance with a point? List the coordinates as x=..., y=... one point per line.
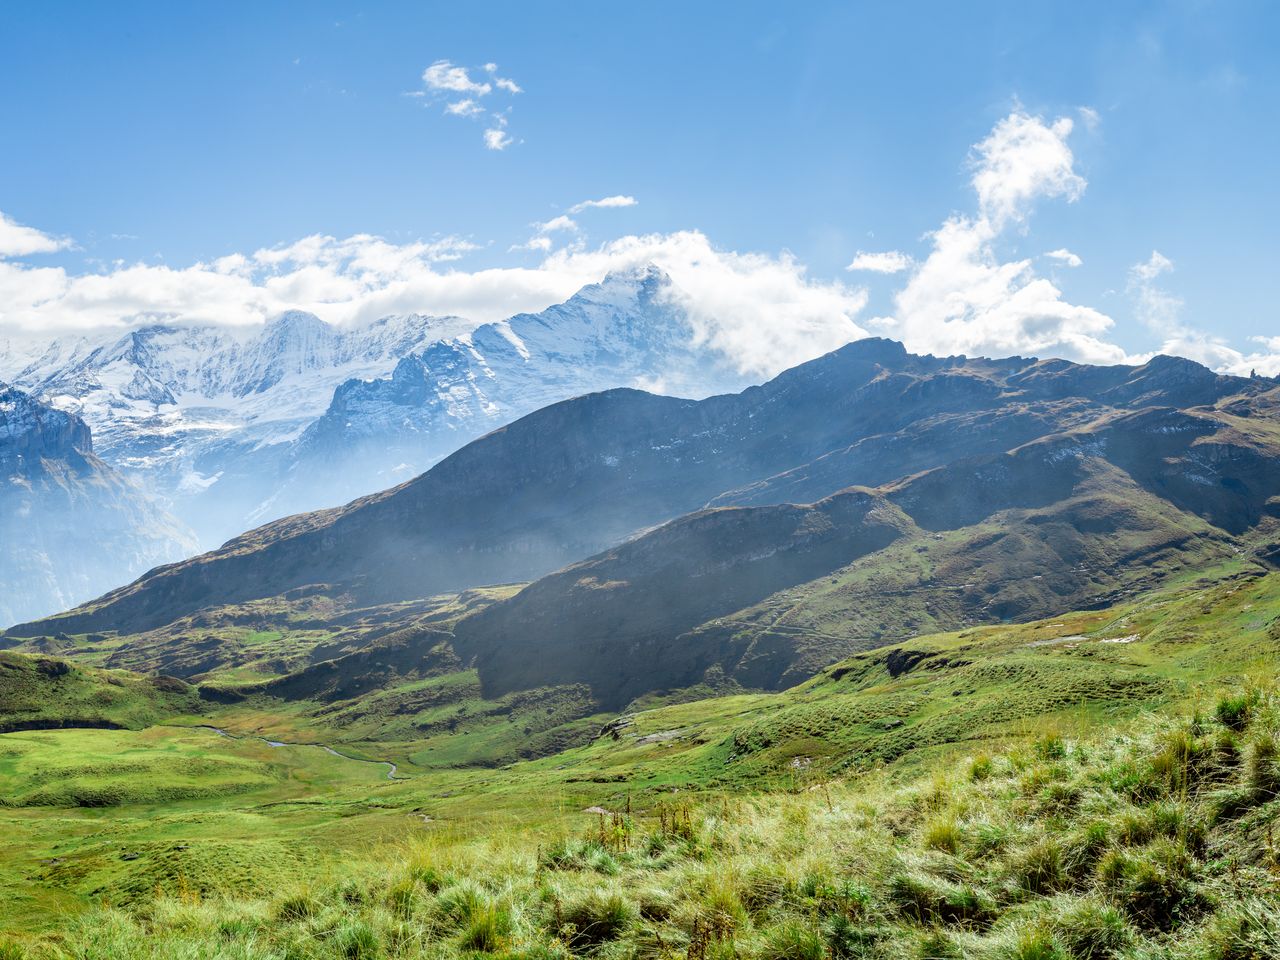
x=464, y=108
x=605, y=203
x=445, y=80
x=17, y=240
x=561, y=222
x=1065, y=256
x=888, y=261
x=564, y=223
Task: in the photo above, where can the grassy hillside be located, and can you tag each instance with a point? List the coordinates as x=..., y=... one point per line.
x=221, y=826
x=1153, y=839
x=41, y=692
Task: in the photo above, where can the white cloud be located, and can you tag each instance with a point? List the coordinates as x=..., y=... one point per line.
x=762, y=311
x=17, y=240
x=444, y=79
x=964, y=299
x=464, y=108
x=1155, y=307
x=888, y=261
x=1092, y=119
x=1161, y=312
x=604, y=203
x=496, y=138
x=561, y=222
x=539, y=244
x=443, y=76
x=1022, y=160
x=1063, y=255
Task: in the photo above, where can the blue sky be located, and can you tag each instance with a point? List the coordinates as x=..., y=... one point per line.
x=169, y=135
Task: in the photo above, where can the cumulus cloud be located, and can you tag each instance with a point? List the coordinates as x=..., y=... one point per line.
x=963, y=298
x=763, y=312
x=1022, y=160
x=1063, y=255
x=446, y=80
x=497, y=138
x=443, y=77
x=889, y=261
x=604, y=203
x=17, y=240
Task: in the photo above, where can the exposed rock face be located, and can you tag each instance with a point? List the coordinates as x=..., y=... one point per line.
x=70, y=526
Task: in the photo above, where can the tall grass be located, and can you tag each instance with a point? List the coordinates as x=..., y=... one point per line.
x=1155, y=841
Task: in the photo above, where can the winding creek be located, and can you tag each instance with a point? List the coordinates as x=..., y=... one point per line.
x=390, y=765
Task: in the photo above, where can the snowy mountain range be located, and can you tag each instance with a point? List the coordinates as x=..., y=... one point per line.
x=70, y=525
x=227, y=428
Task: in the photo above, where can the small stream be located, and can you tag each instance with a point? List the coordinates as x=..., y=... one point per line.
x=391, y=767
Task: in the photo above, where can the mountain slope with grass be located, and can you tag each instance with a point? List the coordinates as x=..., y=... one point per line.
x=581, y=476
x=1103, y=784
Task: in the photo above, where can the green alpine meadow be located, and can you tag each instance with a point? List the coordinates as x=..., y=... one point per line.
x=713, y=481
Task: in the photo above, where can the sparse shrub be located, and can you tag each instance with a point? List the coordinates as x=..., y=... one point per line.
x=1092, y=930
x=764, y=885
x=1249, y=930
x=1051, y=746
x=849, y=940
x=1235, y=710
x=487, y=929
x=938, y=945
x=598, y=917
x=295, y=908
x=1264, y=770
x=356, y=940
x=987, y=839
x=1083, y=847
x=655, y=904
x=1151, y=884
x=1039, y=868
x=793, y=940
x=927, y=900
x=456, y=904
x=579, y=855
x=943, y=833
x=405, y=897
x=1034, y=943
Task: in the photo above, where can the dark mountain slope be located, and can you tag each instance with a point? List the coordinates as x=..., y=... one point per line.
x=581, y=476
x=1070, y=521
x=609, y=621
